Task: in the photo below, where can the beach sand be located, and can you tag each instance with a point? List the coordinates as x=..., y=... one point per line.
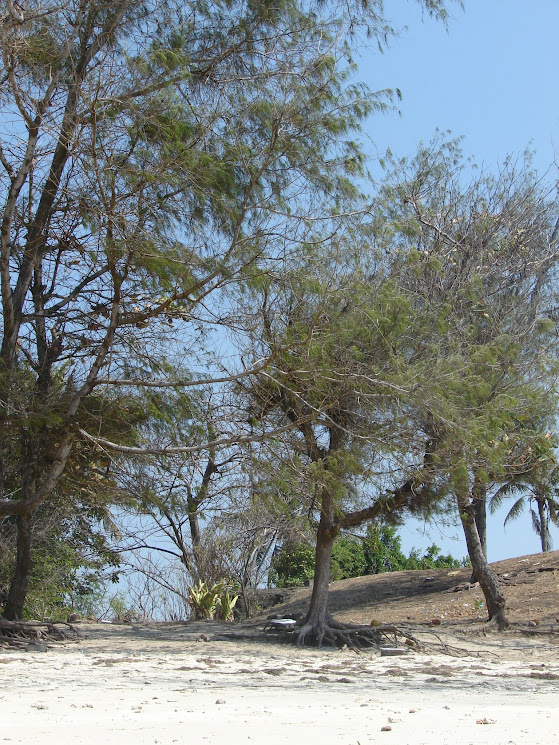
x=212, y=683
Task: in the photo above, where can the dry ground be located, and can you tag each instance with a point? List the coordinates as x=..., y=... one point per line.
x=201, y=683
x=531, y=586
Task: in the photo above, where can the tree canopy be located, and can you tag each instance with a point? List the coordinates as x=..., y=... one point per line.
x=152, y=156
x=192, y=276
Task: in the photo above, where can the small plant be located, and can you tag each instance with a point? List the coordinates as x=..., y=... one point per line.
x=212, y=601
x=226, y=605
x=203, y=599
x=122, y=612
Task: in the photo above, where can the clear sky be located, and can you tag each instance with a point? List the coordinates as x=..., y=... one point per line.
x=492, y=77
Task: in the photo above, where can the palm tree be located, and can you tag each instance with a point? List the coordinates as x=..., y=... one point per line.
x=540, y=493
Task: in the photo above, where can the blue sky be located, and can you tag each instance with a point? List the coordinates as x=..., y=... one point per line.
x=492, y=77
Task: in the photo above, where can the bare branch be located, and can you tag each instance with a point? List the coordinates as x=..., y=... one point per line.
x=138, y=382
x=220, y=442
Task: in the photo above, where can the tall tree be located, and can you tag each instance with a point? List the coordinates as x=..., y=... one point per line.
x=76, y=522
x=482, y=258
x=348, y=390
x=431, y=344
x=153, y=154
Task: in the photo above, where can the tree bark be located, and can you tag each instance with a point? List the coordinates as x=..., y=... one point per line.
x=194, y=523
x=486, y=577
x=317, y=621
x=544, y=526
x=480, y=516
x=13, y=610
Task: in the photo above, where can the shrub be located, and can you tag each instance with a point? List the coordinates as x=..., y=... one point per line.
x=293, y=566
x=379, y=550
x=348, y=558
x=209, y=601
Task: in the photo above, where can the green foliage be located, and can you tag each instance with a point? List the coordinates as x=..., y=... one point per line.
x=348, y=558
x=536, y=484
x=431, y=559
x=226, y=605
x=72, y=566
x=293, y=566
x=378, y=551
x=204, y=154
x=192, y=132
x=212, y=601
x=203, y=599
x=121, y=610
x=383, y=552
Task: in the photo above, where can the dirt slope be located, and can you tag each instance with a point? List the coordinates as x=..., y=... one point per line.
x=531, y=585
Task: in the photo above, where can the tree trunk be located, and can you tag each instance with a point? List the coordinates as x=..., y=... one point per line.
x=194, y=522
x=480, y=516
x=544, y=526
x=486, y=577
x=246, y=598
x=13, y=610
x=317, y=621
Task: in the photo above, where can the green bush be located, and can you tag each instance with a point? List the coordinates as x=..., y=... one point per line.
x=348, y=558
x=383, y=551
x=72, y=566
x=122, y=611
x=293, y=566
x=209, y=601
x=379, y=550
x=431, y=559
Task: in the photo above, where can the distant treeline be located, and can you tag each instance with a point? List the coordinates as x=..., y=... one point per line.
x=379, y=550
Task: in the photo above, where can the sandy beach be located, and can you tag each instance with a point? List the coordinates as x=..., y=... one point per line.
x=205, y=683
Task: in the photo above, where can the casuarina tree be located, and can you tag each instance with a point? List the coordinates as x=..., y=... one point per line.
x=152, y=155
x=480, y=258
x=430, y=348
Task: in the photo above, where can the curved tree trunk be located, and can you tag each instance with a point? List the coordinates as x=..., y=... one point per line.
x=480, y=513
x=486, y=577
x=13, y=610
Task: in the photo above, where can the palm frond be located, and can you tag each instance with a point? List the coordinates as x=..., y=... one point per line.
x=505, y=492
x=553, y=511
x=515, y=511
x=536, y=523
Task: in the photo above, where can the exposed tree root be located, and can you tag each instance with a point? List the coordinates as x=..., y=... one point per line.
x=21, y=634
x=448, y=649
x=336, y=634
x=499, y=622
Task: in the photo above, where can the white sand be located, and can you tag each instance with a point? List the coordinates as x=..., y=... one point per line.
x=160, y=685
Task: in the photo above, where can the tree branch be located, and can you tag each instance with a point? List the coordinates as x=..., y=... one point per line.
x=220, y=442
